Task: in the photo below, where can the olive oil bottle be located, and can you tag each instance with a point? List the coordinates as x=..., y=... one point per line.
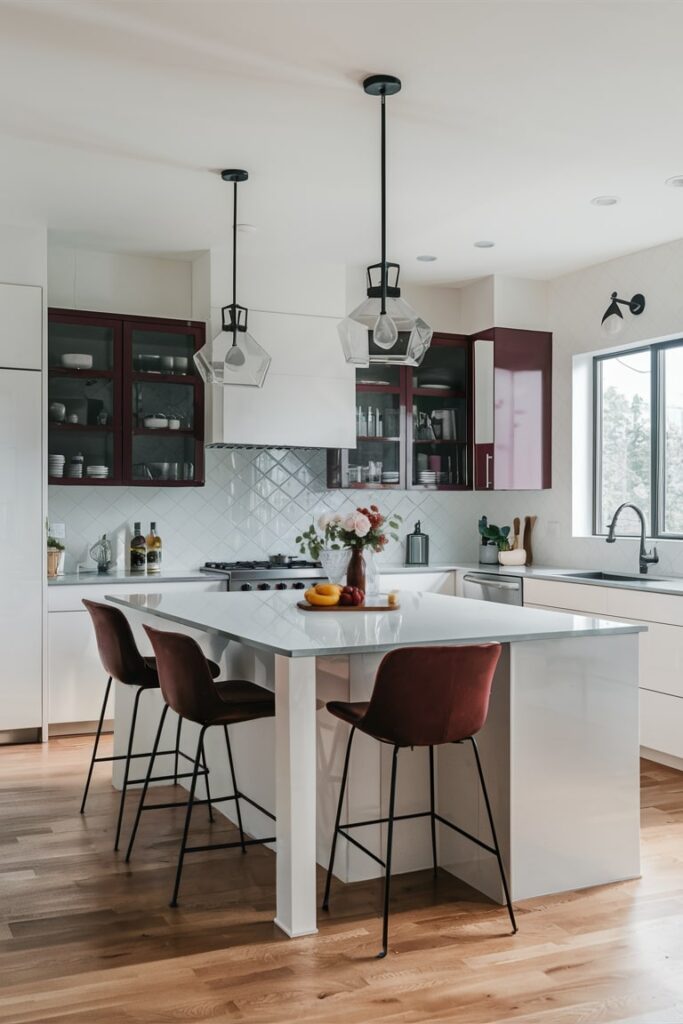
x=138, y=550
x=153, y=549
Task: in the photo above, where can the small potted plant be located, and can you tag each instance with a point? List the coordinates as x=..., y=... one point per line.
x=488, y=551
x=54, y=551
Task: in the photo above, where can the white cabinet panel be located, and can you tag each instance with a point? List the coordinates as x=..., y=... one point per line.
x=572, y=596
x=21, y=327
x=23, y=545
x=432, y=582
x=661, y=722
x=76, y=678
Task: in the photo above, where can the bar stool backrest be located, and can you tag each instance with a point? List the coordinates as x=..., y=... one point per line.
x=115, y=642
x=424, y=696
x=184, y=676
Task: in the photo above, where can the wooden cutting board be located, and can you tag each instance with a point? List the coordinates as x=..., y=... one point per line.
x=306, y=607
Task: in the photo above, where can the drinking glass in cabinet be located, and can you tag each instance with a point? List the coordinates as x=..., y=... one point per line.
x=165, y=457
x=164, y=352
x=80, y=347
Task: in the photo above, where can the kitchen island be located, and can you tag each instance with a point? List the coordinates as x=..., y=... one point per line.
x=560, y=747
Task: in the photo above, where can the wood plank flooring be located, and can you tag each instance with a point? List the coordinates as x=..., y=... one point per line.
x=86, y=939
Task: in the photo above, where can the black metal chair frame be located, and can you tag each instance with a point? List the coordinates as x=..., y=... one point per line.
x=236, y=795
x=339, y=829
x=130, y=756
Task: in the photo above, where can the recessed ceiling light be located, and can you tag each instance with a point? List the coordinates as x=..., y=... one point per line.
x=605, y=201
x=426, y=258
x=675, y=182
x=484, y=244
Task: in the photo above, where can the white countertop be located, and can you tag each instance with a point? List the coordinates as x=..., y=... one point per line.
x=270, y=621
x=651, y=584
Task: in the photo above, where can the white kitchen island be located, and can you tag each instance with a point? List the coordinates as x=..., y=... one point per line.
x=560, y=747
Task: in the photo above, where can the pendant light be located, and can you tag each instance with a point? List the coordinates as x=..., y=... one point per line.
x=384, y=328
x=234, y=356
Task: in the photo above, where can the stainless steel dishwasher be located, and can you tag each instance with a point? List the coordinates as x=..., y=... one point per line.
x=482, y=586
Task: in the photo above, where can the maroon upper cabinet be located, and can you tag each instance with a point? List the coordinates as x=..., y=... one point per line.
x=512, y=372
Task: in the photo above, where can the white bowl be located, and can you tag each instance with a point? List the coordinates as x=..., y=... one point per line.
x=76, y=361
x=173, y=424
x=155, y=422
x=515, y=557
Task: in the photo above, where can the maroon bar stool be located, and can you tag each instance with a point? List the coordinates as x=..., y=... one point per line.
x=122, y=661
x=189, y=690
x=422, y=697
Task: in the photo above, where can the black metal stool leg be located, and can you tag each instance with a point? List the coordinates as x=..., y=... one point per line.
x=495, y=837
x=126, y=770
x=345, y=772
x=206, y=783
x=148, y=776
x=177, y=750
x=432, y=808
x=387, y=876
x=188, y=816
x=234, y=787
x=97, y=743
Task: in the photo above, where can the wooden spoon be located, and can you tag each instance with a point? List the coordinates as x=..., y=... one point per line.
x=516, y=539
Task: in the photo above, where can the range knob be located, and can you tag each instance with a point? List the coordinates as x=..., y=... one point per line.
x=280, y=586
x=264, y=586
x=246, y=586
x=298, y=585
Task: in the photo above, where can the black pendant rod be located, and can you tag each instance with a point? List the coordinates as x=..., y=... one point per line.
x=234, y=258
x=384, y=203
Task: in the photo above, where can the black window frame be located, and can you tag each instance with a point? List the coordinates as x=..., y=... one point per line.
x=657, y=507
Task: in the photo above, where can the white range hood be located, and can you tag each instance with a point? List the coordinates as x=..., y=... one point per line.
x=308, y=398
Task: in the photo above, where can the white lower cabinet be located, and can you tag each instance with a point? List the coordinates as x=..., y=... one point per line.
x=431, y=582
x=660, y=648
x=76, y=678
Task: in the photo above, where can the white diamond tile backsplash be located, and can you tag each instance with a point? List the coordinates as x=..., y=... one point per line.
x=254, y=504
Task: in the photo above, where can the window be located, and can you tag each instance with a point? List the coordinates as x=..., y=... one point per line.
x=638, y=396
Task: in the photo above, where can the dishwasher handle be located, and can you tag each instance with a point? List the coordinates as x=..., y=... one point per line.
x=482, y=581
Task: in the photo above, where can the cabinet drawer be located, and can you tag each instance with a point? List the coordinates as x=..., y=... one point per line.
x=661, y=722
x=571, y=596
x=643, y=606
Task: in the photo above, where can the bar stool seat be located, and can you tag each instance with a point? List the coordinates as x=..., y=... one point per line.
x=188, y=689
x=422, y=697
x=123, y=662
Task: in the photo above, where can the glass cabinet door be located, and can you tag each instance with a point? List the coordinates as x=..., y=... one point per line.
x=438, y=417
x=377, y=459
x=83, y=399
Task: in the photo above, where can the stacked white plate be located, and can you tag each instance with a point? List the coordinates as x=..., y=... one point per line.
x=74, y=470
x=55, y=465
x=390, y=478
x=426, y=477
x=97, y=472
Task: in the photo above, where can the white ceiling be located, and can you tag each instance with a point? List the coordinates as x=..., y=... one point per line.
x=115, y=117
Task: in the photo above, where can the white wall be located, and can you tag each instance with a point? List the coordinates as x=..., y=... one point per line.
x=576, y=303
x=119, y=283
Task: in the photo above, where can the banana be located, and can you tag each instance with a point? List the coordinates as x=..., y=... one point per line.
x=321, y=600
x=327, y=589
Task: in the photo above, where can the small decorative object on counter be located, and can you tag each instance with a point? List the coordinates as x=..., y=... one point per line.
x=516, y=556
x=529, y=523
x=494, y=540
x=360, y=530
x=153, y=549
x=100, y=552
x=417, y=546
x=138, y=550
x=54, y=553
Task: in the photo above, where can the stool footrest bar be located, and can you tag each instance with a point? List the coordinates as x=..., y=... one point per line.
x=228, y=846
x=467, y=835
x=354, y=842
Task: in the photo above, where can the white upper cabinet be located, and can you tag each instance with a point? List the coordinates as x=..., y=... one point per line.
x=21, y=330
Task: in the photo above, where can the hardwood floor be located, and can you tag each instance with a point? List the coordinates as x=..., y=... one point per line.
x=84, y=938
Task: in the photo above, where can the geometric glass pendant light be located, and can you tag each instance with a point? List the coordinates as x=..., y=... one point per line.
x=234, y=356
x=384, y=328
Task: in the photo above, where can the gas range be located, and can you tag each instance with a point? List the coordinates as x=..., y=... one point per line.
x=293, y=574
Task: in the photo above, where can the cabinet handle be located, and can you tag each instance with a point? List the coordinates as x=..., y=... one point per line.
x=489, y=460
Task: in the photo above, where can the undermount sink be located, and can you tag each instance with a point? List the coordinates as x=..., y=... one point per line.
x=615, y=577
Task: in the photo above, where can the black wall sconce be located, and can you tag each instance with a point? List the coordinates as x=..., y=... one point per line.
x=613, y=319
